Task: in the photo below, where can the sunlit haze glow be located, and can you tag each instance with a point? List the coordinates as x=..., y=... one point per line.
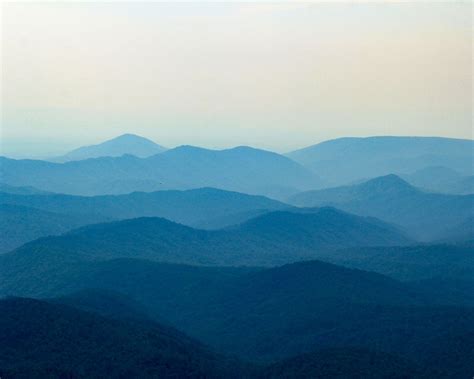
x=272, y=75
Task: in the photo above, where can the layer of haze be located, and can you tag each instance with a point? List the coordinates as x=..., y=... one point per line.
x=277, y=76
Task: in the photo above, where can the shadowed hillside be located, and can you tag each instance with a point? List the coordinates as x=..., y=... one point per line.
x=101, y=347
x=275, y=313
x=345, y=363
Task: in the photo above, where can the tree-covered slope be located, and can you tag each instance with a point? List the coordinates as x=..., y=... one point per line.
x=344, y=364
x=270, y=314
x=41, y=339
x=272, y=239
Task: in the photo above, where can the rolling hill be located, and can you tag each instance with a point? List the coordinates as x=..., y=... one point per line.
x=270, y=314
x=274, y=238
x=346, y=160
x=27, y=217
x=20, y=224
x=124, y=144
x=409, y=263
x=241, y=169
x=198, y=207
x=425, y=216
x=97, y=334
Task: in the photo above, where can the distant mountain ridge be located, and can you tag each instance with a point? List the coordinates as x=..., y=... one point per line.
x=115, y=147
x=245, y=169
x=20, y=224
x=189, y=207
x=441, y=179
x=241, y=169
x=48, y=214
x=349, y=159
x=423, y=215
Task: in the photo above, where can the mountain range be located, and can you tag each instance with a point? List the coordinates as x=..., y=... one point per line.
x=345, y=160
x=352, y=258
x=424, y=215
x=389, y=198
x=49, y=214
x=241, y=169
x=20, y=224
x=441, y=179
x=131, y=163
x=148, y=349
x=265, y=315
x=271, y=239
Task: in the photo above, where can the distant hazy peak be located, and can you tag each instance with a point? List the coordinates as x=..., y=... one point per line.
x=129, y=136
x=124, y=144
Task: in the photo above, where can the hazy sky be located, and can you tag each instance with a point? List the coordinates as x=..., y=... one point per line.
x=272, y=75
